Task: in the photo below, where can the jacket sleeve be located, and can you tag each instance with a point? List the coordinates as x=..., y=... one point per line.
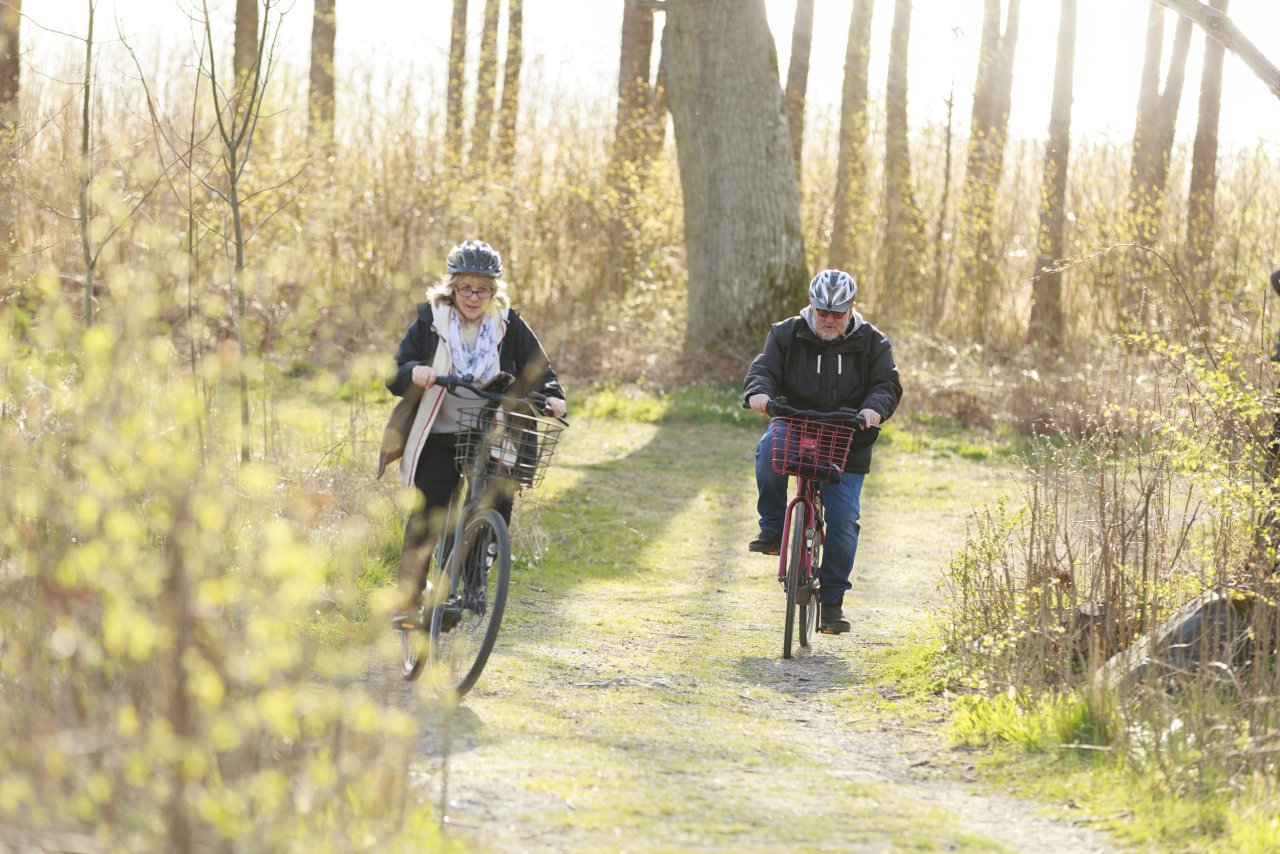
x=886, y=387
x=765, y=374
x=416, y=348
x=533, y=368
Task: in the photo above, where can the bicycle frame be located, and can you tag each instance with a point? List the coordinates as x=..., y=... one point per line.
x=471, y=485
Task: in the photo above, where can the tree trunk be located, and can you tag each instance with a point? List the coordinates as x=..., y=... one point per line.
x=457, y=84
x=1156, y=120
x=10, y=77
x=633, y=79
x=1224, y=31
x=1046, y=293
x=320, y=102
x=1157, y=117
x=486, y=87
x=246, y=46
x=510, y=109
x=988, y=132
x=741, y=204
x=903, y=227
x=629, y=161
x=798, y=77
x=850, y=226
x=1204, y=177
x=10, y=61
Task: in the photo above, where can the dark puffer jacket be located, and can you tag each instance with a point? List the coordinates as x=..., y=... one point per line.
x=855, y=371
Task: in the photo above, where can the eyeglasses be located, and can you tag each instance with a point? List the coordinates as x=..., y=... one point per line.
x=482, y=293
x=831, y=315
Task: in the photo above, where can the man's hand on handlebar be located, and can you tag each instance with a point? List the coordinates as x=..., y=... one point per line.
x=758, y=403
x=555, y=406
x=870, y=417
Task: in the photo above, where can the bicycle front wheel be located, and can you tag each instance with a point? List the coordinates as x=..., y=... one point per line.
x=795, y=569
x=464, y=627
x=808, y=591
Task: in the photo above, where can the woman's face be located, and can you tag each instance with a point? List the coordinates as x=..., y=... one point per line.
x=472, y=294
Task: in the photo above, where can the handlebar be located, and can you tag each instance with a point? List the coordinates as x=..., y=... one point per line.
x=779, y=408
x=452, y=382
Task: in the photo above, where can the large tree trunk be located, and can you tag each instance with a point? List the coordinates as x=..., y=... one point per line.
x=904, y=230
x=1046, y=292
x=10, y=77
x=1204, y=176
x=629, y=162
x=320, y=102
x=246, y=45
x=510, y=108
x=798, y=76
x=1224, y=31
x=486, y=87
x=1157, y=117
x=988, y=132
x=457, y=84
x=850, y=225
x=741, y=203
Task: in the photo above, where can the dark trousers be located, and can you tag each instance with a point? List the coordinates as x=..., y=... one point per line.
x=437, y=479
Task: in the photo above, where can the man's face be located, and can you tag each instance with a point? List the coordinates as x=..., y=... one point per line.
x=830, y=325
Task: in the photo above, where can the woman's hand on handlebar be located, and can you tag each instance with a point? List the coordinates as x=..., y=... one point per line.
x=555, y=406
x=424, y=375
x=758, y=403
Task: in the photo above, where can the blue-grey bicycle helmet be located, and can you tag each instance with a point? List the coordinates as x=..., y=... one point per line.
x=475, y=257
x=832, y=290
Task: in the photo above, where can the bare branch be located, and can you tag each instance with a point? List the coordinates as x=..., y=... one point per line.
x=1223, y=30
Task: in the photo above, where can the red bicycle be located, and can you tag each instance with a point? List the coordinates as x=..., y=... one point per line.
x=812, y=447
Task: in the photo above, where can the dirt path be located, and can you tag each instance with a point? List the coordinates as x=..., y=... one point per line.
x=642, y=704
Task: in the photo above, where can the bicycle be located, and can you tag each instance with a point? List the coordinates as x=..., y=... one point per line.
x=507, y=444
x=810, y=446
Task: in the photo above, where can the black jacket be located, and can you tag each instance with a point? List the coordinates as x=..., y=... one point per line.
x=855, y=371
x=520, y=355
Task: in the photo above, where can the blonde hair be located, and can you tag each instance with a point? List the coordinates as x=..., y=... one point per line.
x=443, y=291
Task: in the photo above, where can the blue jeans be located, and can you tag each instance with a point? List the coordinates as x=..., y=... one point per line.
x=843, y=503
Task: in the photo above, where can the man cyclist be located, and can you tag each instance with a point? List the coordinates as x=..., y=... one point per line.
x=825, y=358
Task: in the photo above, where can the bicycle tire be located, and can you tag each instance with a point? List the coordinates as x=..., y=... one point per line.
x=809, y=610
x=796, y=550
x=413, y=653
x=458, y=653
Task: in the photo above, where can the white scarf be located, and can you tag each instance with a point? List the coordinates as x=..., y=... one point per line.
x=480, y=359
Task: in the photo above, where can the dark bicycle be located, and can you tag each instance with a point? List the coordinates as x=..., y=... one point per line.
x=812, y=447
x=506, y=445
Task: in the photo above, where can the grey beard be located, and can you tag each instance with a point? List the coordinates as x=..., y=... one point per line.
x=832, y=336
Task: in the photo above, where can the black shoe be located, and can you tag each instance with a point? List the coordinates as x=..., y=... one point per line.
x=831, y=620
x=766, y=542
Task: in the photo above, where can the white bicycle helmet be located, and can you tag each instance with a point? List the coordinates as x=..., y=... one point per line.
x=832, y=290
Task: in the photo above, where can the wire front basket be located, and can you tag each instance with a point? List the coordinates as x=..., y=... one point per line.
x=812, y=449
x=517, y=446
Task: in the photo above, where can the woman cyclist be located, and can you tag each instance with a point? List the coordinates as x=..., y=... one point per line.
x=466, y=327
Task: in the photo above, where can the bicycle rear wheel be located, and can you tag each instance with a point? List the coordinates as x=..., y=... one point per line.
x=465, y=625
x=794, y=572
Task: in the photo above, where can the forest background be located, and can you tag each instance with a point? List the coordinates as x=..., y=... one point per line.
x=219, y=220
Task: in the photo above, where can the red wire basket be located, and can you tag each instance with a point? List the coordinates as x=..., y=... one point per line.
x=812, y=449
